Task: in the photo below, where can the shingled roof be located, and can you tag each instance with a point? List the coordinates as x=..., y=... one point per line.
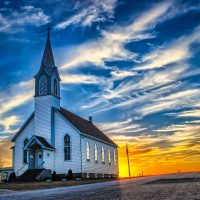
x=85, y=126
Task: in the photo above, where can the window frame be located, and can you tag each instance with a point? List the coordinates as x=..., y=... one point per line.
x=25, y=152
x=95, y=153
x=109, y=157
x=87, y=151
x=103, y=154
x=67, y=147
x=55, y=87
x=43, y=85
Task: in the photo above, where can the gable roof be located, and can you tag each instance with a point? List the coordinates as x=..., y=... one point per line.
x=40, y=140
x=44, y=142
x=85, y=126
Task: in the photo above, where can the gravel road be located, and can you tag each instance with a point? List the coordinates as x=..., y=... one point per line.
x=137, y=188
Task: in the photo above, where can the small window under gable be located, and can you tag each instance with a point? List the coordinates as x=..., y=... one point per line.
x=87, y=151
x=67, y=147
x=43, y=85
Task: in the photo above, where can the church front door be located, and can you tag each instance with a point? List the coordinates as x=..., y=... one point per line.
x=31, y=159
x=35, y=159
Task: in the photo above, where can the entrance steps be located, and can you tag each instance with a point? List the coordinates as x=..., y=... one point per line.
x=30, y=175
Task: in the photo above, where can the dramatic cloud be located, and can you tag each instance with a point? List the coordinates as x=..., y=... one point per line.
x=177, y=51
x=8, y=122
x=18, y=94
x=111, y=45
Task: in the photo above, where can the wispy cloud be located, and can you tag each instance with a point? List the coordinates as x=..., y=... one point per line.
x=119, y=127
x=174, y=101
x=27, y=15
x=190, y=113
x=89, y=12
x=81, y=79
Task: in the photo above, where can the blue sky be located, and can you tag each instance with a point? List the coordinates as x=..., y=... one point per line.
x=132, y=65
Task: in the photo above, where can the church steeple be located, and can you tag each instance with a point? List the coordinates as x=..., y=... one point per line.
x=47, y=80
x=48, y=59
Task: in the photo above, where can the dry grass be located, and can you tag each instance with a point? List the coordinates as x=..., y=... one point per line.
x=45, y=185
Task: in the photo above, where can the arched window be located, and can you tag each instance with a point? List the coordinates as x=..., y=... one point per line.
x=43, y=85
x=109, y=157
x=95, y=153
x=55, y=87
x=87, y=151
x=67, y=147
x=25, y=160
x=103, y=154
x=115, y=159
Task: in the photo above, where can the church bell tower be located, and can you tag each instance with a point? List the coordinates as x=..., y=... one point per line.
x=47, y=93
x=47, y=80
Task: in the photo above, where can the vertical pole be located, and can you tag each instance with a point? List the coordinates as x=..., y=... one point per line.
x=127, y=154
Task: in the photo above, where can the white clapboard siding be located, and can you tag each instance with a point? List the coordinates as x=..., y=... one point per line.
x=43, y=117
x=62, y=127
x=48, y=158
x=99, y=168
x=19, y=147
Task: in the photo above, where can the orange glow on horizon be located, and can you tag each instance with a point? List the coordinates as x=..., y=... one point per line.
x=148, y=162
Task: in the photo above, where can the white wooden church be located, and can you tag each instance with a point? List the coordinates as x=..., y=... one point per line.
x=56, y=139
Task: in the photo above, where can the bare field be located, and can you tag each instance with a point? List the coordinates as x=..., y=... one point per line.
x=183, y=186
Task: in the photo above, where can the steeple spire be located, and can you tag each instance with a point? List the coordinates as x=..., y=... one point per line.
x=48, y=59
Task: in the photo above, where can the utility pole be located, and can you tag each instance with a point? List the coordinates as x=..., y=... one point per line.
x=129, y=173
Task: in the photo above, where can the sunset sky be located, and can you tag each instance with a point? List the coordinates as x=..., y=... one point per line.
x=133, y=65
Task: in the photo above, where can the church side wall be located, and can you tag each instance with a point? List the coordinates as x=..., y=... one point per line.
x=63, y=127
x=98, y=169
x=19, y=142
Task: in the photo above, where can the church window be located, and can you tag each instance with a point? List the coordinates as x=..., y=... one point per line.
x=55, y=87
x=115, y=159
x=25, y=160
x=67, y=147
x=103, y=154
x=95, y=153
x=43, y=85
x=87, y=151
x=109, y=157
